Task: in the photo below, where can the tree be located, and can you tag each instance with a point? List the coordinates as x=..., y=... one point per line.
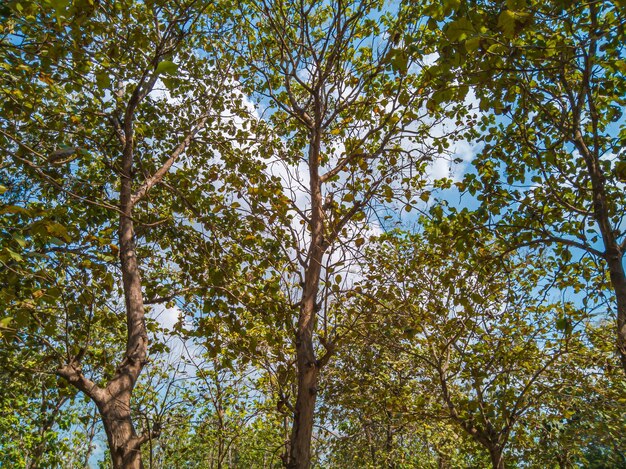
x=94, y=170
x=33, y=411
x=551, y=79
x=233, y=165
x=376, y=417
x=473, y=336
x=335, y=81
x=581, y=425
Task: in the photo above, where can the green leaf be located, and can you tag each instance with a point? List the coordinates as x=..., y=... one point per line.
x=56, y=241
x=19, y=239
x=58, y=230
x=459, y=29
x=399, y=61
x=452, y=5
x=472, y=44
x=506, y=22
x=4, y=322
x=168, y=67
x=620, y=170
x=509, y=20
x=14, y=255
x=563, y=324
x=103, y=80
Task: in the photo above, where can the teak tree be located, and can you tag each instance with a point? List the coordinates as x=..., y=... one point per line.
x=105, y=102
x=338, y=89
x=550, y=78
x=451, y=320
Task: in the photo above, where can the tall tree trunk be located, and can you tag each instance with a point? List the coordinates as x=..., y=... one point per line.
x=302, y=429
x=308, y=369
x=308, y=366
x=113, y=401
x=613, y=254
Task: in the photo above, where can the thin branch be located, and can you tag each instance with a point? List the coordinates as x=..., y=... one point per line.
x=162, y=171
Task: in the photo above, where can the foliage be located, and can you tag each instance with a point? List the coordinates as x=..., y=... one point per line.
x=252, y=170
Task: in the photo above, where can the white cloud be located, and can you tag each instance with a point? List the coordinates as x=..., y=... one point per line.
x=166, y=317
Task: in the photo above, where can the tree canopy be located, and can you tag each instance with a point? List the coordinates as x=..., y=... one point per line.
x=302, y=233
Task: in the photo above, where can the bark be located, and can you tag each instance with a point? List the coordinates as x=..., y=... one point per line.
x=601, y=204
x=302, y=429
x=307, y=365
x=114, y=400
x=124, y=444
x=113, y=404
x=618, y=282
x=495, y=453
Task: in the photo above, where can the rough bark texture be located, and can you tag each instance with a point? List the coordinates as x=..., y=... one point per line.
x=121, y=436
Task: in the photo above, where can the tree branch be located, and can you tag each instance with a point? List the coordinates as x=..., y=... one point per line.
x=162, y=171
x=74, y=375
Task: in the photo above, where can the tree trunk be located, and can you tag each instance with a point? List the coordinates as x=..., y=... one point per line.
x=308, y=372
x=124, y=444
x=307, y=364
x=113, y=401
x=495, y=453
x=618, y=282
x=302, y=429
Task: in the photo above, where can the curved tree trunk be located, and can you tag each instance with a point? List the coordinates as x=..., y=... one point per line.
x=113, y=400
